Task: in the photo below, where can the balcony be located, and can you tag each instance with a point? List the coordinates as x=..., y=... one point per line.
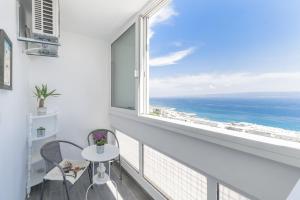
x=116, y=61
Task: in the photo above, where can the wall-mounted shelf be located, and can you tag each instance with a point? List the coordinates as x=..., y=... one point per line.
x=40, y=52
x=24, y=39
x=39, y=32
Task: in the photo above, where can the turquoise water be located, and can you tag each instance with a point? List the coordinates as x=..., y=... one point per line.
x=275, y=112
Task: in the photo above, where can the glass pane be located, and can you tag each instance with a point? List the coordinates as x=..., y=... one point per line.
x=122, y=70
x=173, y=179
x=229, y=64
x=228, y=194
x=129, y=148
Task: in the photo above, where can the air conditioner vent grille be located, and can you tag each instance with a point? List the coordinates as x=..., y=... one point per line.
x=38, y=14
x=45, y=17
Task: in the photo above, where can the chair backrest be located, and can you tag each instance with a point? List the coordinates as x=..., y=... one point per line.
x=106, y=132
x=51, y=153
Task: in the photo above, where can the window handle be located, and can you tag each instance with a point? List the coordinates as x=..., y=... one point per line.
x=136, y=73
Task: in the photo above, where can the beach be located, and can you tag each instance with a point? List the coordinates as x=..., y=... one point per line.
x=242, y=127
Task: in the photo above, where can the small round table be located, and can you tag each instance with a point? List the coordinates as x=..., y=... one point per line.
x=110, y=152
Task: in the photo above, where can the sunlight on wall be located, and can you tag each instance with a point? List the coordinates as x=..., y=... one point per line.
x=129, y=149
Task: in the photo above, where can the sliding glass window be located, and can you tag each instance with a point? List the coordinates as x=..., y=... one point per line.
x=225, y=64
x=122, y=70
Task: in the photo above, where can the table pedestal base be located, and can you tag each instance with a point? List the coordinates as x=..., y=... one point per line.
x=101, y=177
x=99, y=181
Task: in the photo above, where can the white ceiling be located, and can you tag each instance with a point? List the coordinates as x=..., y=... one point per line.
x=97, y=18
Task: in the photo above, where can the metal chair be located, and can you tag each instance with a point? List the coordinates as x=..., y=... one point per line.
x=51, y=152
x=90, y=140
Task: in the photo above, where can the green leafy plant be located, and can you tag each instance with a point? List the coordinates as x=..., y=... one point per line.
x=42, y=93
x=100, y=142
x=41, y=129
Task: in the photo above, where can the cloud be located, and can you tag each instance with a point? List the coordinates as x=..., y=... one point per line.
x=171, y=58
x=163, y=15
x=206, y=83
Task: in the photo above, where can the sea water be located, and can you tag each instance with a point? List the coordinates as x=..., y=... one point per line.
x=275, y=112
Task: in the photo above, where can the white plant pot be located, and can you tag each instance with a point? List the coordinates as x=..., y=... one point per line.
x=42, y=111
x=40, y=132
x=100, y=149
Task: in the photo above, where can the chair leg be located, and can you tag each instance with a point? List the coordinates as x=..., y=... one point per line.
x=67, y=190
x=120, y=168
x=43, y=188
x=90, y=173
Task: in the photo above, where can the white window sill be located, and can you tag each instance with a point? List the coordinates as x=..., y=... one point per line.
x=286, y=152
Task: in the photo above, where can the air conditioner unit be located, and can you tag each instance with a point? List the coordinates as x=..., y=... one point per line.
x=45, y=18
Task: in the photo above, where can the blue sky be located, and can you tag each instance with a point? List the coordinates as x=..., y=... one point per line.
x=216, y=46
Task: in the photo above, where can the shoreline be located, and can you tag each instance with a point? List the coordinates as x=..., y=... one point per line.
x=242, y=127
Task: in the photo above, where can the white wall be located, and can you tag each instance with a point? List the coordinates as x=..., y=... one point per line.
x=13, y=109
x=80, y=74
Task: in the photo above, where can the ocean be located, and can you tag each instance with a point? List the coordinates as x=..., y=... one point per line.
x=275, y=112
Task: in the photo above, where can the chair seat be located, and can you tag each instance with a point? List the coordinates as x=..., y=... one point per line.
x=55, y=174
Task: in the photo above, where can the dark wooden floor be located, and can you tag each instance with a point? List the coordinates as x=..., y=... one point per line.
x=128, y=189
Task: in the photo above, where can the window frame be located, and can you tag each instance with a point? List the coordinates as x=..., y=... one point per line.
x=281, y=148
x=286, y=152
x=144, y=55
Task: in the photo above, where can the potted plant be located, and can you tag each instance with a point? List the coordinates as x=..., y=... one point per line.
x=40, y=132
x=100, y=140
x=42, y=93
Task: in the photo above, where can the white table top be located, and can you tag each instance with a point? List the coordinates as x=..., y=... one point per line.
x=110, y=152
